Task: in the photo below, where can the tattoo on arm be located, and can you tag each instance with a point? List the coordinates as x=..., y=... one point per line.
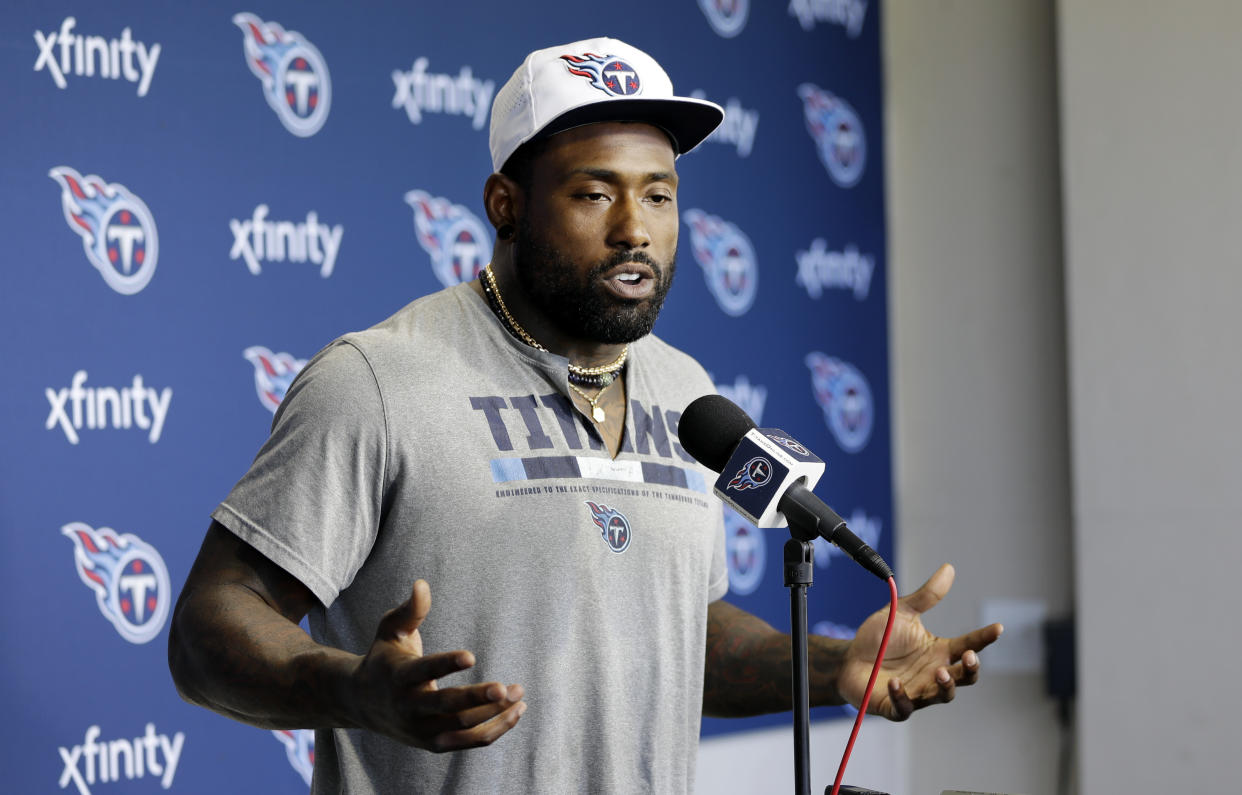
x=749, y=669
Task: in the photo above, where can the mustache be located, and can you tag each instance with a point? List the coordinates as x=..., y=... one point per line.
x=623, y=257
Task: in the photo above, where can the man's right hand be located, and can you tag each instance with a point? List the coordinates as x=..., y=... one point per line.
x=234, y=646
x=396, y=692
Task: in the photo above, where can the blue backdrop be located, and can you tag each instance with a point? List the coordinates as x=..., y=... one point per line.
x=197, y=197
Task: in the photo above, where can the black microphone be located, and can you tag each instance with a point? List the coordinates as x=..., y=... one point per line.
x=763, y=476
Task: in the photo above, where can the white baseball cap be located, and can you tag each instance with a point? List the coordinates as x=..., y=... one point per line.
x=559, y=88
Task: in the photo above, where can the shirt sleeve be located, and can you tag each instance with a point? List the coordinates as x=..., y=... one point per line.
x=312, y=500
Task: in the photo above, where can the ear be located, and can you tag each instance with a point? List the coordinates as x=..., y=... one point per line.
x=503, y=200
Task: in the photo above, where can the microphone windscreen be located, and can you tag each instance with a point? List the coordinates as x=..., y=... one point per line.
x=710, y=428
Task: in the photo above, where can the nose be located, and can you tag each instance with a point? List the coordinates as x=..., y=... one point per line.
x=627, y=227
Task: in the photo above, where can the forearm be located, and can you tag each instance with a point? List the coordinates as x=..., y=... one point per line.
x=749, y=671
x=233, y=653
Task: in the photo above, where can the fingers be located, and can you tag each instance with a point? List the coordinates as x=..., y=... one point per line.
x=463, y=717
x=931, y=592
x=974, y=641
x=461, y=699
x=426, y=669
x=901, y=705
x=941, y=690
x=403, y=620
x=969, y=673
x=484, y=733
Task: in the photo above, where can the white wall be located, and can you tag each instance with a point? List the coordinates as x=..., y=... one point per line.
x=1152, y=139
x=978, y=346
x=977, y=311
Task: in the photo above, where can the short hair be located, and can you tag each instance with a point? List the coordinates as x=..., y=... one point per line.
x=520, y=167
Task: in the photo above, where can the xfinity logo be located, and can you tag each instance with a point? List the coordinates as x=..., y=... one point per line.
x=257, y=239
x=76, y=407
x=849, y=14
x=749, y=397
x=820, y=269
x=738, y=127
x=64, y=52
x=419, y=90
x=104, y=762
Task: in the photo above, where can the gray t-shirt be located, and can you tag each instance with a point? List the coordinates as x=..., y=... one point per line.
x=435, y=445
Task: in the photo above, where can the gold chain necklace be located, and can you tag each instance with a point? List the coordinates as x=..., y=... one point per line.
x=524, y=336
x=597, y=412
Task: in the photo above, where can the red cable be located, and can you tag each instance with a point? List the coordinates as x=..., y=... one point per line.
x=875, y=673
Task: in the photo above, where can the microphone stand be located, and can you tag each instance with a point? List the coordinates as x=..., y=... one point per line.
x=799, y=573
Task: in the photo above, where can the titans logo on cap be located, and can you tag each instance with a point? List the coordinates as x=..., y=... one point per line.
x=273, y=373
x=845, y=397
x=128, y=577
x=838, y=134
x=754, y=475
x=727, y=17
x=727, y=259
x=117, y=231
x=745, y=553
x=613, y=526
x=300, y=748
x=608, y=73
x=293, y=73
x=456, y=240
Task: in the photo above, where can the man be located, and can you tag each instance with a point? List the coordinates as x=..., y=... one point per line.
x=406, y=453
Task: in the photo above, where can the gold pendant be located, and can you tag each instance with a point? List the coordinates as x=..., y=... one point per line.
x=598, y=414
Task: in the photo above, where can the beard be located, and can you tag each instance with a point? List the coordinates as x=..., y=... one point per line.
x=580, y=305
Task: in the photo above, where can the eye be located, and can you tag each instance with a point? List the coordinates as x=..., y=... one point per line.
x=593, y=196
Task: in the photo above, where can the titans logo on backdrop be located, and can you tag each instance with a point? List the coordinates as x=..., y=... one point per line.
x=727, y=258
x=842, y=392
x=128, y=577
x=746, y=553
x=299, y=749
x=273, y=373
x=454, y=237
x=838, y=134
x=849, y=14
x=294, y=76
x=117, y=230
x=727, y=17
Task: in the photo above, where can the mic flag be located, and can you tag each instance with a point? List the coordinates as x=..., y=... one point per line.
x=762, y=467
x=767, y=476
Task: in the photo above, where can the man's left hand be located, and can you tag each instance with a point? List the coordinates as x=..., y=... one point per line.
x=919, y=668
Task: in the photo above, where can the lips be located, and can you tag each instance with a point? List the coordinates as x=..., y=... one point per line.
x=633, y=280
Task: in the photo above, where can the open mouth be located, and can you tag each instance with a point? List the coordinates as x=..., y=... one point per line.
x=633, y=281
